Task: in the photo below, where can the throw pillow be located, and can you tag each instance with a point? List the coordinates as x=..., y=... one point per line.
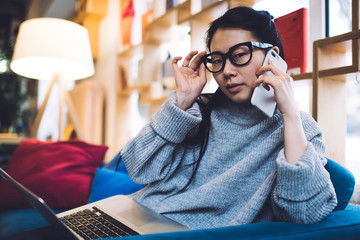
x=108, y=183
x=59, y=172
x=343, y=181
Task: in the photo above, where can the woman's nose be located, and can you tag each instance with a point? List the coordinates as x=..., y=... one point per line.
x=229, y=69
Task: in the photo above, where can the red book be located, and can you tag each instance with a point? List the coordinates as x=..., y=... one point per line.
x=293, y=30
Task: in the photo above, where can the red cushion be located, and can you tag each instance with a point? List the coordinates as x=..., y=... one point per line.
x=58, y=172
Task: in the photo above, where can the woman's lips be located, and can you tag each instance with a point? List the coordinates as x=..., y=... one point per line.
x=234, y=88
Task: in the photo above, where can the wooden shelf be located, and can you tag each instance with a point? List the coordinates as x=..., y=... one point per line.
x=332, y=47
x=132, y=51
x=234, y=3
x=127, y=91
x=207, y=14
x=302, y=76
x=166, y=20
x=159, y=100
x=158, y=30
x=184, y=12
x=331, y=51
x=10, y=138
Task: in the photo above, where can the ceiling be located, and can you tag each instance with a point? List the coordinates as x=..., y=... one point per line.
x=14, y=12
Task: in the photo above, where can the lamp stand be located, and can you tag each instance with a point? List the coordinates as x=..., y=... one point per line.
x=64, y=98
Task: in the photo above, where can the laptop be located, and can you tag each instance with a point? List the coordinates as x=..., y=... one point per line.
x=115, y=216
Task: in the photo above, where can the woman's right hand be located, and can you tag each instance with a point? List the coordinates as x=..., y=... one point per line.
x=190, y=78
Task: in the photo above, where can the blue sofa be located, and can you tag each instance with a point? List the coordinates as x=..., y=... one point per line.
x=342, y=223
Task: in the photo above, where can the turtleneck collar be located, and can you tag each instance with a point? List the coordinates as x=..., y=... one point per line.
x=239, y=113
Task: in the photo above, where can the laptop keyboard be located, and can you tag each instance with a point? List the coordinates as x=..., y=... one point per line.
x=93, y=223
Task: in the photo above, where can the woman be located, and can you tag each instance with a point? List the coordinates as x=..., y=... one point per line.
x=218, y=161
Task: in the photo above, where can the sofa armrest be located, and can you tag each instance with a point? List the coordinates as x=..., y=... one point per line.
x=343, y=181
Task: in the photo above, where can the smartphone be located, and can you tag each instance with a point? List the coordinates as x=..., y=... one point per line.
x=262, y=98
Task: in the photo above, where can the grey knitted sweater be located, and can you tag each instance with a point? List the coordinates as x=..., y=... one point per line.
x=243, y=176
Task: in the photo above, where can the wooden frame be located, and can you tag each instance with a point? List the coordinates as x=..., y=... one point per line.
x=354, y=37
x=329, y=85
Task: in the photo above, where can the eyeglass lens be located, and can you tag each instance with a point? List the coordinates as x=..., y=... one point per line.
x=239, y=56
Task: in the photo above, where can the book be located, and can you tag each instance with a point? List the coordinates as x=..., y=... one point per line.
x=146, y=19
x=170, y=4
x=127, y=18
x=294, y=31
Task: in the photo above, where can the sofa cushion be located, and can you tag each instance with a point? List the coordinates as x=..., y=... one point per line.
x=58, y=172
x=116, y=164
x=112, y=179
x=344, y=224
x=343, y=182
x=20, y=220
x=108, y=183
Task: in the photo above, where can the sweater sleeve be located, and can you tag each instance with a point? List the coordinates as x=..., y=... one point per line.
x=156, y=150
x=304, y=192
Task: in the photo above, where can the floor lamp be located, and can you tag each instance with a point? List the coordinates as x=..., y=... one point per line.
x=55, y=50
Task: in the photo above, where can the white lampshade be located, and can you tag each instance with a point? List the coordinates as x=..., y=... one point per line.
x=46, y=47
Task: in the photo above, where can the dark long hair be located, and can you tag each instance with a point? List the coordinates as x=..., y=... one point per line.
x=259, y=23
x=262, y=26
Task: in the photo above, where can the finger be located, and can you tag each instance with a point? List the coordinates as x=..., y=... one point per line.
x=188, y=58
x=266, y=81
x=202, y=73
x=175, y=61
x=278, y=83
x=257, y=82
x=197, y=60
x=270, y=67
x=275, y=70
x=266, y=86
x=261, y=81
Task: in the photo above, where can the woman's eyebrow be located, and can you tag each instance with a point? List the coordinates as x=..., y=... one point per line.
x=230, y=48
x=217, y=52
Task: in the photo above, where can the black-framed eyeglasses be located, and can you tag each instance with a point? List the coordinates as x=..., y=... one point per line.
x=239, y=55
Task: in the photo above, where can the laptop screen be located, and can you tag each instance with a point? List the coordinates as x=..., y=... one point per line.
x=39, y=205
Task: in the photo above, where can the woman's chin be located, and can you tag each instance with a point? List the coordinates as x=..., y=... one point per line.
x=239, y=98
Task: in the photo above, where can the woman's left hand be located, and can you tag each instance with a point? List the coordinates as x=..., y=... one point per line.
x=282, y=84
x=295, y=142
